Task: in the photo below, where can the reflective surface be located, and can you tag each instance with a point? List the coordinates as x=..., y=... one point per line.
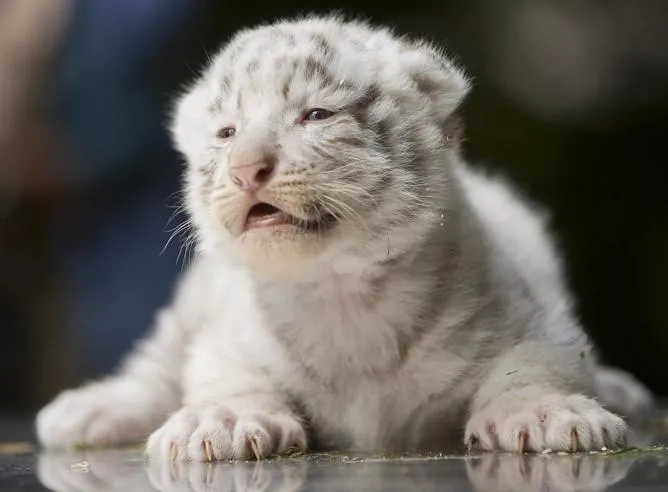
x=114, y=470
x=126, y=472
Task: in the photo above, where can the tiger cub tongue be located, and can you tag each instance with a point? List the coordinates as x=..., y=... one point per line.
x=265, y=215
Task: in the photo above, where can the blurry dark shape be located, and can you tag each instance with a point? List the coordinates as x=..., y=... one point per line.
x=109, y=92
x=87, y=169
x=582, y=60
x=29, y=34
x=119, y=168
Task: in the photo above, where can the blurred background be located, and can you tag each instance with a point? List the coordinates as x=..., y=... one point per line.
x=570, y=100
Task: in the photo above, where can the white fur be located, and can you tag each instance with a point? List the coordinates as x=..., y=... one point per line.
x=436, y=300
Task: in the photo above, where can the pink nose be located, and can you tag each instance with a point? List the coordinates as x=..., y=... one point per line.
x=250, y=177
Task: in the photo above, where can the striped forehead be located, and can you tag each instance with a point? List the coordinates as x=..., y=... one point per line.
x=275, y=43
x=270, y=63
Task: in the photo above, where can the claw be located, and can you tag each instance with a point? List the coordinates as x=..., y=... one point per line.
x=522, y=440
x=252, y=442
x=472, y=442
x=208, y=450
x=574, y=441
x=607, y=442
x=173, y=451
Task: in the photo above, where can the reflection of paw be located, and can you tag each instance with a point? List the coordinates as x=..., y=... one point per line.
x=100, y=471
x=557, y=422
x=96, y=415
x=224, y=477
x=517, y=473
x=210, y=433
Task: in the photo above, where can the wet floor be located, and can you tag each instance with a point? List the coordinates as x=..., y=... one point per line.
x=645, y=468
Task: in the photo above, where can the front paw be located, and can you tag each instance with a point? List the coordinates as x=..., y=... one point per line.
x=210, y=433
x=97, y=415
x=558, y=422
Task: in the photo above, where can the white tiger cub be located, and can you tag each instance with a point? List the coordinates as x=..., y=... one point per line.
x=358, y=286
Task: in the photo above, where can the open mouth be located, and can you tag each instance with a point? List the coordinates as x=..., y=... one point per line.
x=265, y=215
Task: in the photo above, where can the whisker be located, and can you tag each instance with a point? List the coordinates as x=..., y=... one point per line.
x=182, y=227
x=188, y=249
x=346, y=211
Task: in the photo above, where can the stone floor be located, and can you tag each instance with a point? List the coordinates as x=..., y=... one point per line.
x=643, y=468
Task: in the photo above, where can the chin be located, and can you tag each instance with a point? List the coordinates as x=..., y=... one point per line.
x=280, y=250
